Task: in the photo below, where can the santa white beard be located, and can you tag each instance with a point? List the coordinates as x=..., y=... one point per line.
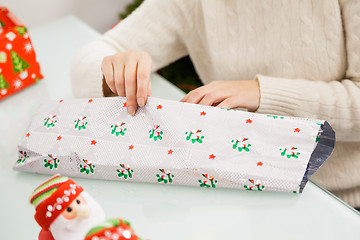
x=76, y=229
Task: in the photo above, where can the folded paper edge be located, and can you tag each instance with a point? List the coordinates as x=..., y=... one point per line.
x=321, y=153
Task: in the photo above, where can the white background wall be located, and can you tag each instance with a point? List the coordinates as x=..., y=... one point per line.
x=100, y=14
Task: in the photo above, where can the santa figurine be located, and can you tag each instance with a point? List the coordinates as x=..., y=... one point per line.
x=64, y=210
x=112, y=229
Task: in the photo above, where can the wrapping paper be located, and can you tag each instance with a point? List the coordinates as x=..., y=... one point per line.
x=169, y=142
x=18, y=65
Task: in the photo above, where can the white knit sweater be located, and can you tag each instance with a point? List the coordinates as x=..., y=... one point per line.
x=306, y=55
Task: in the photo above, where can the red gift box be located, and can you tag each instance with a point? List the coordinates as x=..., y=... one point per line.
x=18, y=65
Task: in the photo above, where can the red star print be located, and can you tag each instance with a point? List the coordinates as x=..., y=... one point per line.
x=249, y=121
x=159, y=107
x=259, y=164
x=131, y=147
x=90, y=101
x=296, y=129
x=93, y=142
x=170, y=152
x=58, y=138
x=124, y=105
x=27, y=135
x=212, y=156
x=61, y=100
x=202, y=113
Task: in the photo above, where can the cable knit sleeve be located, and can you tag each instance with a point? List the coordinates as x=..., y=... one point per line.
x=336, y=101
x=155, y=27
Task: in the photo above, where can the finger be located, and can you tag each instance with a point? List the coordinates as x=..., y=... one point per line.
x=149, y=89
x=143, y=78
x=108, y=72
x=119, y=67
x=229, y=103
x=195, y=95
x=185, y=98
x=130, y=84
x=212, y=98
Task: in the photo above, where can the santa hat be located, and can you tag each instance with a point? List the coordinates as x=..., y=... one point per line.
x=52, y=197
x=112, y=229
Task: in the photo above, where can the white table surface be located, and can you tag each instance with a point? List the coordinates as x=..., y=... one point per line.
x=155, y=211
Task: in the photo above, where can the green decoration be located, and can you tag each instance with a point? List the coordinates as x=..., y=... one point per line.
x=50, y=121
x=125, y=172
x=3, y=83
x=165, y=177
x=80, y=123
x=291, y=154
x=255, y=186
x=21, y=30
x=194, y=136
x=245, y=146
x=87, y=167
x=275, y=117
x=117, y=129
x=155, y=134
x=23, y=157
x=318, y=136
x=19, y=64
x=52, y=162
x=209, y=182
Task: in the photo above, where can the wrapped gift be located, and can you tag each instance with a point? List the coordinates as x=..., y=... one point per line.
x=169, y=142
x=18, y=65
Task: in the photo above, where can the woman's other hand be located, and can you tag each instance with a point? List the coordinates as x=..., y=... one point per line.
x=227, y=94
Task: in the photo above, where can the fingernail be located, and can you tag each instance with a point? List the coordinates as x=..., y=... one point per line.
x=131, y=110
x=141, y=102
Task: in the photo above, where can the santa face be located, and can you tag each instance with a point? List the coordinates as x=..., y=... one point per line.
x=76, y=220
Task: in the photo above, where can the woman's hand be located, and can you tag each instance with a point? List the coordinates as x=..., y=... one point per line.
x=227, y=94
x=128, y=75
